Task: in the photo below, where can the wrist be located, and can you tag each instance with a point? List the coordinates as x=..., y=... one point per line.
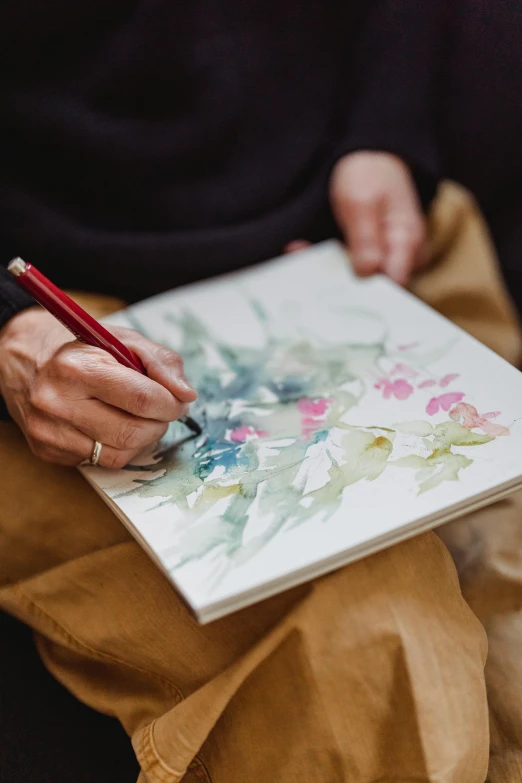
x=28, y=337
x=33, y=320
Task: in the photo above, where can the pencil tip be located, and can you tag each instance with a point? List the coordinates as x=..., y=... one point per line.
x=192, y=425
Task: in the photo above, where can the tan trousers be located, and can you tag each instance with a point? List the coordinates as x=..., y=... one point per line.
x=373, y=673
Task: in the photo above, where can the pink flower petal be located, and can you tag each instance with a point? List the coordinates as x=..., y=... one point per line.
x=444, y=402
x=472, y=420
x=309, y=426
x=427, y=384
x=387, y=387
x=433, y=406
x=467, y=412
x=463, y=409
x=447, y=400
x=313, y=407
x=495, y=430
x=403, y=369
x=240, y=434
x=402, y=389
x=408, y=346
x=448, y=379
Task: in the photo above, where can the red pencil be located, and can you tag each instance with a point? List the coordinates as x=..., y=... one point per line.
x=84, y=327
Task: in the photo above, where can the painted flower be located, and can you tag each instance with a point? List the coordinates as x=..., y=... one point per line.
x=401, y=389
x=241, y=434
x=445, y=381
x=443, y=403
x=313, y=408
x=471, y=419
x=407, y=346
x=403, y=369
x=448, y=379
x=314, y=413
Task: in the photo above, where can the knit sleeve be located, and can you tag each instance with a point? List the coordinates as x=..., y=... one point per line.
x=397, y=64
x=13, y=299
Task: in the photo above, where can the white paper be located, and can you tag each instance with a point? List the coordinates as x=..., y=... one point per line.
x=339, y=416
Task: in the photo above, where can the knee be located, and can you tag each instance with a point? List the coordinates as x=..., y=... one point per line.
x=406, y=592
x=418, y=567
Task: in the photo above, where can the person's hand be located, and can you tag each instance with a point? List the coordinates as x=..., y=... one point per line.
x=375, y=202
x=65, y=395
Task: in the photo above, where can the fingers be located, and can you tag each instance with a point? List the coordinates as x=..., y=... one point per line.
x=113, y=427
x=80, y=372
x=296, y=245
x=361, y=221
x=62, y=422
x=65, y=395
x=163, y=366
x=375, y=202
x=405, y=232
x=138, y=395
x=62, y=444
x=405, y=236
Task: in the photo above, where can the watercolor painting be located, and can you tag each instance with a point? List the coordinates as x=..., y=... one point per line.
x=268, y=417
x=292, y=423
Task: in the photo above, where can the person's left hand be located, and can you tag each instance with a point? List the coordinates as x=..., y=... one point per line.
x=375, y=202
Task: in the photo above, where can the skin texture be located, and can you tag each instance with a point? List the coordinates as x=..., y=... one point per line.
x=65, y=395
x=374, y=200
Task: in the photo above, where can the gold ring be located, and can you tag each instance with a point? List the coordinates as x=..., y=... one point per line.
x=96, y=453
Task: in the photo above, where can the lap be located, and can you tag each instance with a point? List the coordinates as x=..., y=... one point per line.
x=48, y=515
x=487, y=548
x=72, y=572
x=387, y=642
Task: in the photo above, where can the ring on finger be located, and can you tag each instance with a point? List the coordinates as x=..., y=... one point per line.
x=96, y=453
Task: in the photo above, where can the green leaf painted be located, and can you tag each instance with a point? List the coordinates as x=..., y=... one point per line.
x=452, y=433
x=413, y=461
x=448, y=467
x=442, y=465
x=365, y=455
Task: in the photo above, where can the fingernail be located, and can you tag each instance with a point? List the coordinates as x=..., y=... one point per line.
x=367, y=267
x=398, y=272
x=183, y=382
x=370, y=257
x=296, y=245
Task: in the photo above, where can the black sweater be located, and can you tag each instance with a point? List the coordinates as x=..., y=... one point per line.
x=148, y=143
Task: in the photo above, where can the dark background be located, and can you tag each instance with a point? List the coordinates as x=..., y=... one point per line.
x=47, y=736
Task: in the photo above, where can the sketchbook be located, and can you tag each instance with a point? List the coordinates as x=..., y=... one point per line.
x=339, y=417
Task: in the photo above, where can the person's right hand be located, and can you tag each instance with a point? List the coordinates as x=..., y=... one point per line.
x=65, y=395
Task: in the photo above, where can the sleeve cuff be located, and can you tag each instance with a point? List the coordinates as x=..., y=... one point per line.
x=13, y=299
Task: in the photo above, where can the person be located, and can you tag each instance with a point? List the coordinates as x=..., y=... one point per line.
x=145, y=146
x=480, y=120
